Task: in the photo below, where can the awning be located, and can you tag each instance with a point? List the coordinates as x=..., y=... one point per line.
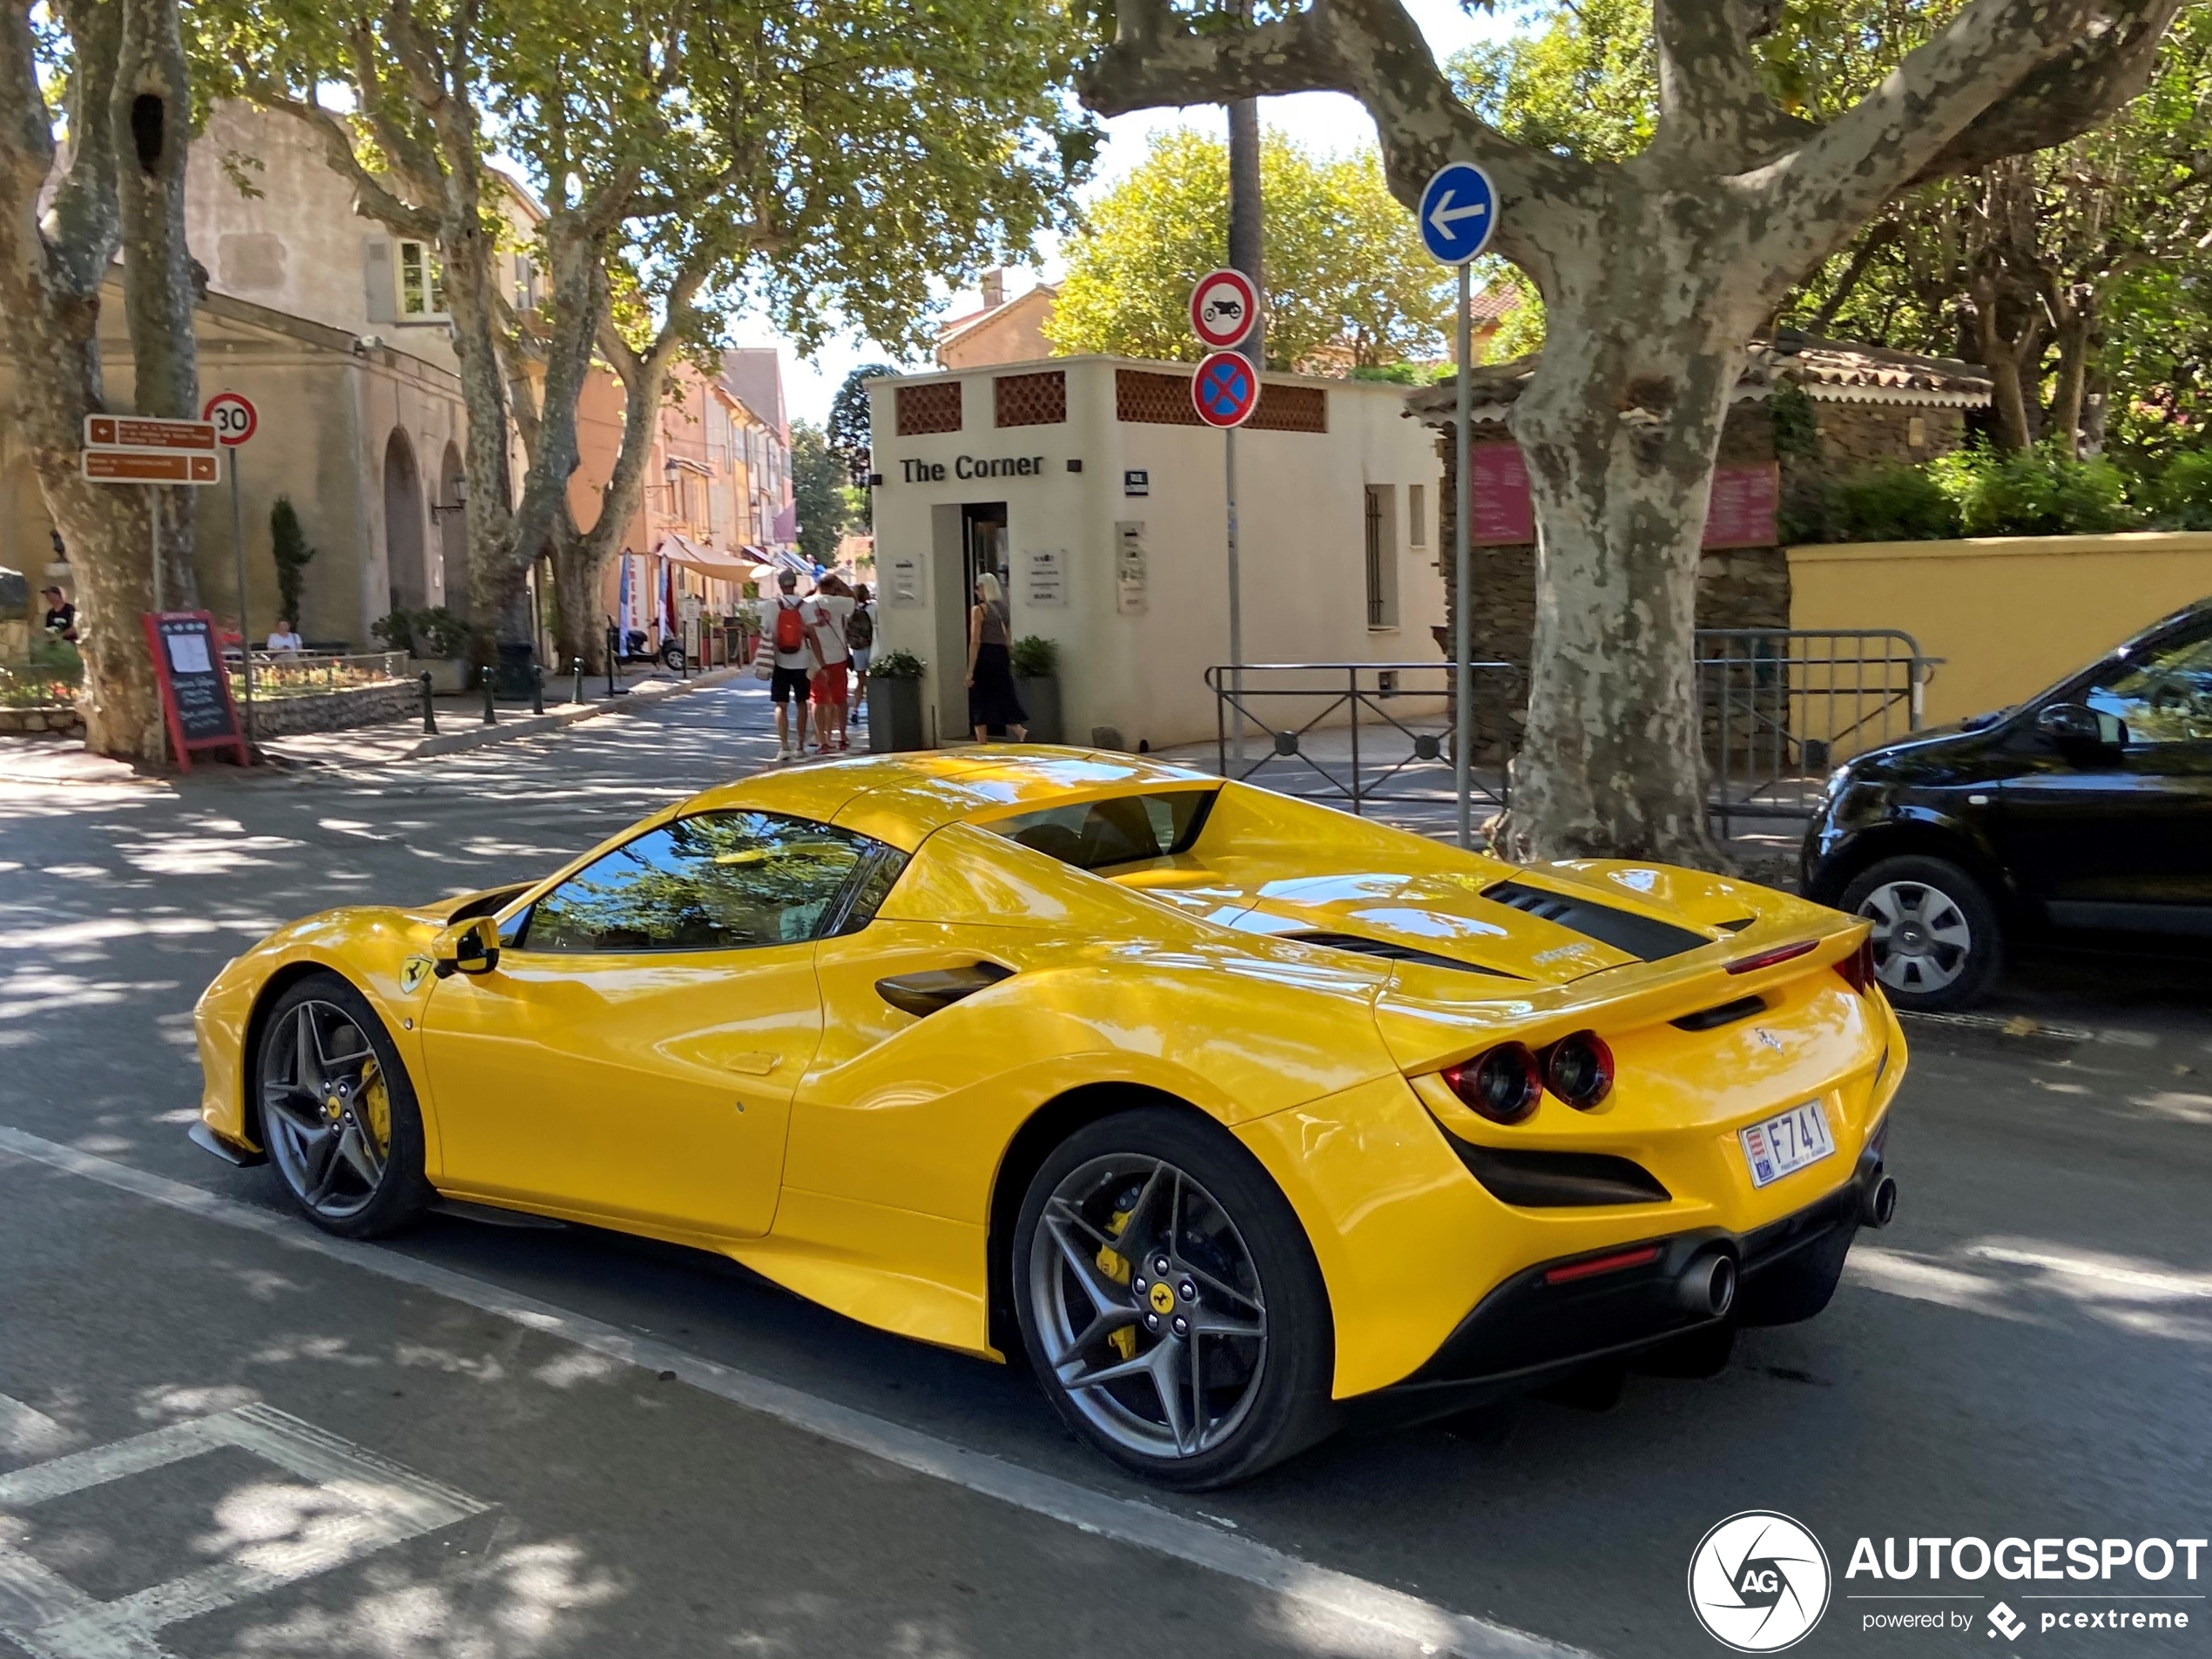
x=707, y=561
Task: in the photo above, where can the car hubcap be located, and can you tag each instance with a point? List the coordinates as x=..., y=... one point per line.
x=1920, y=937
x=1149, y=1306
x=325, y=1109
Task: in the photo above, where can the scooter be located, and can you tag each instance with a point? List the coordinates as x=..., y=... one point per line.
x=670, y=656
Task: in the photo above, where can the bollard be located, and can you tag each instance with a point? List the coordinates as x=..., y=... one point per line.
x=429, y=709
x=579, y=679
x=538, y=689
x=490, y=717
x=614, y=651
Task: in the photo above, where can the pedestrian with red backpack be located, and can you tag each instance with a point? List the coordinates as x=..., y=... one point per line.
x=783, y=634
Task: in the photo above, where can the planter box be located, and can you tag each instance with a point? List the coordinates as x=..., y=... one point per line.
x=895, y=716
x=1042, y=699
x=448, y=675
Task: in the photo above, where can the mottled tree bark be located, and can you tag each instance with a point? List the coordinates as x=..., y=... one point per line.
x=1653, y=272
x=51, y=269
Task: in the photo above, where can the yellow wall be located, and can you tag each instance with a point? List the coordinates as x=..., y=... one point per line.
x=2009, y=614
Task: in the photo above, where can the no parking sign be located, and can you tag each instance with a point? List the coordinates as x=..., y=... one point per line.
x=1224, y=390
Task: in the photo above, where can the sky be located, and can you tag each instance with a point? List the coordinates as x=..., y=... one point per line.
x=1328, y=122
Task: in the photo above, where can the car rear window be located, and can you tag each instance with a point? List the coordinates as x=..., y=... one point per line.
x=1119, y=829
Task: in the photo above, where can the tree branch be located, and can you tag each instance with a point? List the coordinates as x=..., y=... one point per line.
x=372, y=196
x=1712, y=102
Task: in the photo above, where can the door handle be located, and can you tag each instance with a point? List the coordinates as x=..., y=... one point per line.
x=755, y=1065
x=925, y=992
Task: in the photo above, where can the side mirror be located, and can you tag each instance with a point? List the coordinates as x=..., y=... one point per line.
x=470, y=948
x=2077, y=726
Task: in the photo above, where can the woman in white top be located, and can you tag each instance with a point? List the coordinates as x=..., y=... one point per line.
x=285, y=638
x=825, y=614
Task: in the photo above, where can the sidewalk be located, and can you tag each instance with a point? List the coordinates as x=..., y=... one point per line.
x=63, y=760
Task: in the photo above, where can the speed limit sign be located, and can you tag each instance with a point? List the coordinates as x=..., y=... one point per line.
x=232, y=416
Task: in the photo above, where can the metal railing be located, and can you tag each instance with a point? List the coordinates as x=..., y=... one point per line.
x=1778, y=707
x=1356, y=734
x=280, y=674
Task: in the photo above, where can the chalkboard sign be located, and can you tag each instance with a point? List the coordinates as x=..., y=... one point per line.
x=195, y=686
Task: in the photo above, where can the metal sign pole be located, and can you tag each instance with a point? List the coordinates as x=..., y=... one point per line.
x=245, y=625
x=154, y=529
x=1462, y=509
x=1236, y=611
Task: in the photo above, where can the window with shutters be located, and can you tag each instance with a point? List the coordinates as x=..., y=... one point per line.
x=934, y=407
x=422, y=281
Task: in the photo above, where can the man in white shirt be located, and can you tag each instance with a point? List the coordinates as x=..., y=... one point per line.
x=827, y=613
x=783, y=630
x=286, y=638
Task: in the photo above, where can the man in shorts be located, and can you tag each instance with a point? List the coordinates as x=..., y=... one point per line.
x=826, y=614
x=783, y=630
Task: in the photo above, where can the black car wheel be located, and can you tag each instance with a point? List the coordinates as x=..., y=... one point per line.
x=1170, y=1304
x=1937, y=941
x=338, y=1112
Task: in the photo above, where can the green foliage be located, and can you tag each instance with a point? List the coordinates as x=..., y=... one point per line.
x=1797, y=428
x=396, y=630
x=1585, y=84
x=848, y=435
x=1888, y=503
x=2179, y=496
x=288, y=546
x=1399, y=373
x=1035, y=657
x=818, y=488
x=1347, y=281
x=435, y=633
x=897, y=665
x=2033, y=492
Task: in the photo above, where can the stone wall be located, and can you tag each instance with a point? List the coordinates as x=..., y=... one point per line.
x=18, y=722
x=287, y=716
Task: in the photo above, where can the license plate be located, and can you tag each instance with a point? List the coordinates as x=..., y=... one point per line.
x=1784, y=1144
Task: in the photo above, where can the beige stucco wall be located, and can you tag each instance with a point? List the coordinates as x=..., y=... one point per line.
x=2009, y=614
x=1302, y=507
x=1013, y=334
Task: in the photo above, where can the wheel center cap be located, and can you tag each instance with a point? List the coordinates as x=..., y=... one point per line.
x=1160, y=1297
x=1912, y=939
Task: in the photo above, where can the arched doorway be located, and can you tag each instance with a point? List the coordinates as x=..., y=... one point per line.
x=453, y=531
x=403, y=567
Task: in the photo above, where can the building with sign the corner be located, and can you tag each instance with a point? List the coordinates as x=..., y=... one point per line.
x=1090, y=486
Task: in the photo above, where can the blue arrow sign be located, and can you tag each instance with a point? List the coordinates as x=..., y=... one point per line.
x=1459, y=211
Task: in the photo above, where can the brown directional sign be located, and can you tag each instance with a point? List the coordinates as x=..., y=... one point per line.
x=145, y=432
x=149, y=467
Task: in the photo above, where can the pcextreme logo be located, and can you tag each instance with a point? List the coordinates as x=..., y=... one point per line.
x=1758, y=1582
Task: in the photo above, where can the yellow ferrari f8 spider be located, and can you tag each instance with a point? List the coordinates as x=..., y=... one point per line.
x=1241, y=1117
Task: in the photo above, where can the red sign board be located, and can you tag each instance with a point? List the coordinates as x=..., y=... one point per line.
x=1224, y=307
x=1742, y=513
x=149, y=467
x=1504, y=516
x=1743, y=505
x=234, y=418
x=195, y=686
x=1224, y=390
x=145, y=432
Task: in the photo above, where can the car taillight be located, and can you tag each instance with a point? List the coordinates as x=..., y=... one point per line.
x=1503, y=1084
x=1857, y=968
x=1579, y=1070
x=1769, y=958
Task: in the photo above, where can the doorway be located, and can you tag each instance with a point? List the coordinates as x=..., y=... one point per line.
x=983, y=534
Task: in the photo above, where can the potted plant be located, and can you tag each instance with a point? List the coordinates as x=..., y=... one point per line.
x=439, y=647
x=894, y=703
x=1036, y=680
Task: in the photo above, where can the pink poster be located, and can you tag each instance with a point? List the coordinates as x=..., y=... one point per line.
x=1504, y=516
x=1743, y=510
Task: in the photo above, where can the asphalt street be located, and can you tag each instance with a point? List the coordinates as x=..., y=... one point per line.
x=221, y=1434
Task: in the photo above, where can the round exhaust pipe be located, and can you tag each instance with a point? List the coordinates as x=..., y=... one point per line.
x=1878, y=1208
x=1707, y=1286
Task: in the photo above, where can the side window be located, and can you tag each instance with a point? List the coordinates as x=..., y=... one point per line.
x=2165, y=697
x=715, y=881
x=1119, y=829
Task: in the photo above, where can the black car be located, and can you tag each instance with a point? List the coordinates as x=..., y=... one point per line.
x=2087, y=809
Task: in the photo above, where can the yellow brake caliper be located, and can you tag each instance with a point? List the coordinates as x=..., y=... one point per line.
x=376, y=1102
x=1114, y=1265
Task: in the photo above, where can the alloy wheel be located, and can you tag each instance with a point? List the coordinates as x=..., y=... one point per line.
x=1921, y=939
x=325, y=1110
x=1150, y=1309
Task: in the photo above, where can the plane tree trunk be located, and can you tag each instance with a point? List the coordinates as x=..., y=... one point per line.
x=1654, y=272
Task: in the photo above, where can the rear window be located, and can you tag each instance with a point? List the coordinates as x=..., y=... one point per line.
x=1121, y=829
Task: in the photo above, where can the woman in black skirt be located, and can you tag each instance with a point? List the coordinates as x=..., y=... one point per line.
x=991, y=698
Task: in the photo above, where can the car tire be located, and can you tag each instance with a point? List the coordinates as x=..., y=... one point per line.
x=1938, y=941
x=1797, y=1287
x=1238, y=1261
x=337, y=1176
